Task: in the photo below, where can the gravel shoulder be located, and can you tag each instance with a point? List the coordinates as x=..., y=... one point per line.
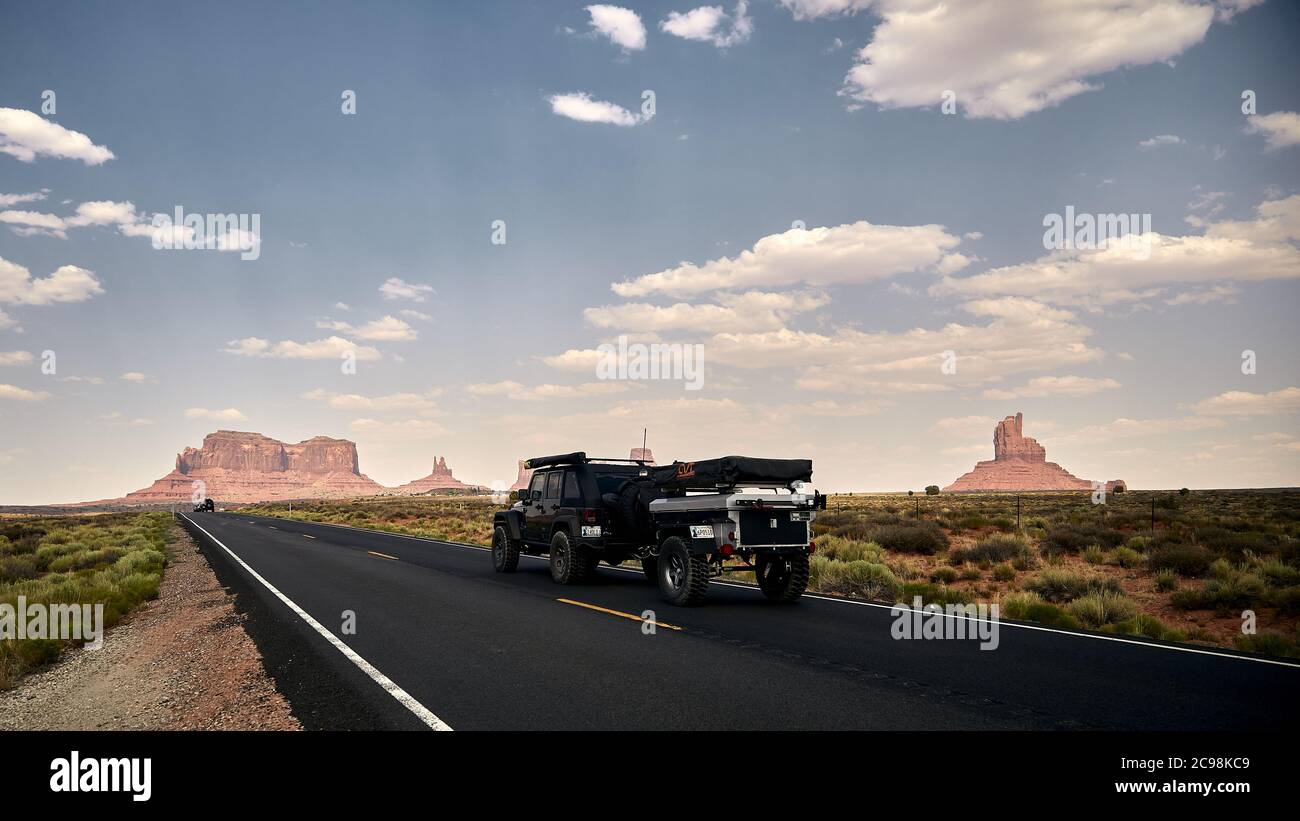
x=182, y=662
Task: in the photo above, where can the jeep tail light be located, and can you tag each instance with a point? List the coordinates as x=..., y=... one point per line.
x=589, y=515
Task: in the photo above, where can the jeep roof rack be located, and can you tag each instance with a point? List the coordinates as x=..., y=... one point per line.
x=575, y=458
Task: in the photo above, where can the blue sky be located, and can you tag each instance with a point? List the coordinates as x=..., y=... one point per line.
x=765, y=113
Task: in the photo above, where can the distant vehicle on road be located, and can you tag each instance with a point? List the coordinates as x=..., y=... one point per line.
x=205, y=505
x=686, y=522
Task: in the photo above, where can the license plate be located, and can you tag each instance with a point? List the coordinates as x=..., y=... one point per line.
x=701, y=531
x=590, y=531
x=800, y=516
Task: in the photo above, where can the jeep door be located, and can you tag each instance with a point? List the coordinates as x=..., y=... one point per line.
x=534, y=510
x=550, y=503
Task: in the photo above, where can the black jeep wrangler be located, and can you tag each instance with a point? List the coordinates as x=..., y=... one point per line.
x=686, y=523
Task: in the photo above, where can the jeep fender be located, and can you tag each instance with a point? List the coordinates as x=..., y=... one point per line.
x=512, y=521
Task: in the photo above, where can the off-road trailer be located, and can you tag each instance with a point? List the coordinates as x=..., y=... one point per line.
x=686, y=522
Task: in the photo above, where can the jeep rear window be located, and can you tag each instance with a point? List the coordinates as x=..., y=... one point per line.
x=572, y=496
x=553, y=485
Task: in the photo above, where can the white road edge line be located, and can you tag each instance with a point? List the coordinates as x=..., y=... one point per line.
x=404, y=698
x=859, y=603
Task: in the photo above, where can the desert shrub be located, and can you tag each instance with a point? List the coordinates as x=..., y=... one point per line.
x=1100, y=609
x=925, y=538
x=1271, y=644
x=1286, y=599
x=855, y=578
x=1184, y=559
x=1138, y=543
x=934, y=594
x=996, y=548
x=1149, y=626
x=1232, y=591
x=1128, y=557
x=1060, y=585
x=1094, y=555
x=1062, y=540
x=1278, y=573
x=1004, y=572
x=947, y=575
x=970, y=574
x=848, y=550
x=21, y=566
x=1166, y=580
x=1028, y=606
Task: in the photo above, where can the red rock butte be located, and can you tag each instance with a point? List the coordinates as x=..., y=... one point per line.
x=1020, y=463
x=439, y=479
x=235, y=466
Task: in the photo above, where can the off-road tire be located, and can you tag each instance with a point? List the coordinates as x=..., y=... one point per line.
x=568, y=560
x=505, y=551
x=683, y=577
x=782, y=580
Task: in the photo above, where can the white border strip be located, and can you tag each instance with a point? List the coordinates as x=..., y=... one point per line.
x=404, y=698
x=843, y=600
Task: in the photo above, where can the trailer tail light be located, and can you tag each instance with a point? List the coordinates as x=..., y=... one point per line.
x=727, y=550
x=812, y=547
x=589, y=515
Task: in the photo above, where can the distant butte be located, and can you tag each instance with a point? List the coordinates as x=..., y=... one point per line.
x=1020, y=463
x=239, y=467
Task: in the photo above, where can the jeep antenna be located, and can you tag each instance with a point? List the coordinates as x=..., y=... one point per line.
x=644, y=432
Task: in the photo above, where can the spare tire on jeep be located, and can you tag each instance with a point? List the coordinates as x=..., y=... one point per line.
x=629, y=506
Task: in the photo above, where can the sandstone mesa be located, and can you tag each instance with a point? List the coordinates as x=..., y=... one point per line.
x=1020, y=463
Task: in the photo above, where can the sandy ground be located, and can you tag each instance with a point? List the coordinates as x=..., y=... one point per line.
x=182, y=662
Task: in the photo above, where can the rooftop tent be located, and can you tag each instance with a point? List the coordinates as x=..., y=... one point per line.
x=730, y=471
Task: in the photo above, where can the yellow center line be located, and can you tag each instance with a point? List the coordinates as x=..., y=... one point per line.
x=618, y=613
x=305, y=536
x=384, y=556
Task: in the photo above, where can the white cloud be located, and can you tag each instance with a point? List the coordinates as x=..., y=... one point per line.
x=226, y=415
x=413, y=314
x=812, y=9
x=856, y=252
x=134, y=376
x=329, y=348
x=67, y=284
x=1006, y=60
x=385, y=329
x=12, y=358
x=1244, y=403
x=342, y=306
x=1229, y=251
x=397, y=288
x=1161, y=140
x=753, y=310
x=526, y=393
x=622, y=26
x=21, y=394
x=7, y=200
x=711, y=24
x=407, y=402
x=404, y=431
x=8, y=323
x=1054, y=386
x=1281, y=129
x=26, y=136
x=579, y=105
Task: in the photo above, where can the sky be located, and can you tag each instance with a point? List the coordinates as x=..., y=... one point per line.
x=845, y=203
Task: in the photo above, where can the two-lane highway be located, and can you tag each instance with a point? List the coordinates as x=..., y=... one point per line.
x=369, y=629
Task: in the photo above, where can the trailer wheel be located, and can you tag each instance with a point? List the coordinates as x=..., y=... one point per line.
x=568, y=561
x=683, y=577
x=505, y=551
x=780, y=579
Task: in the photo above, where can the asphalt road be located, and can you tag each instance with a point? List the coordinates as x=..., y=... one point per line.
x=442, y=641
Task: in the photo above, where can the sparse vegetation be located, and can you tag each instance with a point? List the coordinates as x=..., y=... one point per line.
x=116, y=560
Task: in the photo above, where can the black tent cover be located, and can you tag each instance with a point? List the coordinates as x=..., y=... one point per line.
x=730, y=471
